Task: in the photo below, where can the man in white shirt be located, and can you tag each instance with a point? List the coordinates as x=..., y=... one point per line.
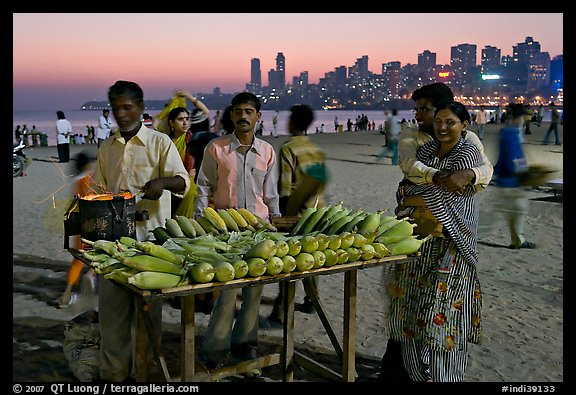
x=104, y=126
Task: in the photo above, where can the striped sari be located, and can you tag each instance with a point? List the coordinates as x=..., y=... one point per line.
x=436, y=299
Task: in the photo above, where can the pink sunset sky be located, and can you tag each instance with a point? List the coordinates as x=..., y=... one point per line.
x=63, y=60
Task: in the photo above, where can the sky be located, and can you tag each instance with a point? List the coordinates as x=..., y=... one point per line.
x=62, y=60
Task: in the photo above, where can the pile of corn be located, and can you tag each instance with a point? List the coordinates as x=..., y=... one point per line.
x=191, y=252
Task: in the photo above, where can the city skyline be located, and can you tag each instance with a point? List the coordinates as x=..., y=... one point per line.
x=78, y=68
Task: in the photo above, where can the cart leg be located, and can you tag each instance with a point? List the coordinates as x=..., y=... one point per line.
x=349, y=361
x=287, y=356
x=187, y=345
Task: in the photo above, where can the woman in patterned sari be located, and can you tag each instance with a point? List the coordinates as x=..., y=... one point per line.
x=436, y=300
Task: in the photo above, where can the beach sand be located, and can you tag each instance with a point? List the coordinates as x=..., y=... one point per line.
x=522, y=289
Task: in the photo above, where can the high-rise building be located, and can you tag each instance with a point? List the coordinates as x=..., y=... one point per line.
x=281, y=68
x=490, y=59
x=426, y=61
x=255, y=73
x=391, y=76
x=463, y=62
x=557, y=73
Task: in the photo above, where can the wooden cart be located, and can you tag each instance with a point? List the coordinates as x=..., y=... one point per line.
x=287, y=357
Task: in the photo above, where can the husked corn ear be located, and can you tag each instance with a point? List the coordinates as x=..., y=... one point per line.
x=231, y=225
x=154, y=280
x=240, y=221
x=121, y=274
x=149, y=263
x=173, y=228
x=185, y=225
x=212, y=215
x=249, y=217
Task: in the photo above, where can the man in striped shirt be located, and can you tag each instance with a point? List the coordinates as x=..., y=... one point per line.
x=240, y=171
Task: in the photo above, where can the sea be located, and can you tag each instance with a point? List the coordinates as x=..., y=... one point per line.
x=45, y=121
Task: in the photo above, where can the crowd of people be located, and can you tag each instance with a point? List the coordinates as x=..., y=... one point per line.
x=196, y=161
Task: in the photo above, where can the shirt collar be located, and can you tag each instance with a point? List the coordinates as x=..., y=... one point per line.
x=235, y=144
x=142, y=135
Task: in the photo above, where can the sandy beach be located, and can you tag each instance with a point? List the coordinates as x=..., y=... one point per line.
x=522, y=289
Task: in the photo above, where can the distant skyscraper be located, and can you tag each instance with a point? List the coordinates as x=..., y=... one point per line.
x=281, y=68
x=391, y=76
x=463, y=62
x=490, y=59
x=426, y=61
x=557, y=73
x=255, y=73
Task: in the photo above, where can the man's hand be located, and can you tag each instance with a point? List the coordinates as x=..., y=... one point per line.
x=153, y=189
x=454, y=181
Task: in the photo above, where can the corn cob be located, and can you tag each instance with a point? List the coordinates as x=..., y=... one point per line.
x=325, y=224
x=158, y=251
x=249, y=217
x=407, y=246
x=396, y=233
x=265, y=224
x=313, y=220
x=149, y=263
x=240, y=221
x=197, y=227
x=332, y=210
x=369, y=224
x=207, y=225
x=109, y=247
x=360, y=215
x=161, y=234
x=212, y=215
x=305, y=215
x=121, y=274
x=173, y=228
x=127, y=241
x=154, y=280
x=231, y=225
x=185, y=225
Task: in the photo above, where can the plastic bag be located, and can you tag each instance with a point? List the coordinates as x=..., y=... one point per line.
x=82, y=346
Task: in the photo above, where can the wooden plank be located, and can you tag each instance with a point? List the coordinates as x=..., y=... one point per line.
x=349, y=330
x=316, y=367
x=287, y=355
x=245, y=366
x=187, y=338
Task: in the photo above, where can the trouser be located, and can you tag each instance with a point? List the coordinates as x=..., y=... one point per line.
x=223, y=334
x=552, y=128
x=512, y=204
x=425, y=364
x=63, y=152
x=278, y=308
x=481, y=130
x=117, y=316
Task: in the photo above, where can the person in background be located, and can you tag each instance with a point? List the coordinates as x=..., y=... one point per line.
x=511, y=201
x=392, y=128
x=554, y=121
x=427, y=99
x=527, y=120
x=216, y=127
x=481, y=120
x=275, y=124
x=228, y=159
x=17, y=134
x=303, y=176
x=335, y=123
x=82, y=187
x=259, y=128
x=179, y=132
x=104, y=126
x=435, y=300
x=226, y=120
x=63, y=132
x=135, y=158
x=540, y=115
x=147, y=120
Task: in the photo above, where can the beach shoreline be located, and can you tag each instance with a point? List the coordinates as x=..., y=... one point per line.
x=522, y=289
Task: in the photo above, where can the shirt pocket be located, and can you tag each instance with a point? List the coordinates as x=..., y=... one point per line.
x=258, y=177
